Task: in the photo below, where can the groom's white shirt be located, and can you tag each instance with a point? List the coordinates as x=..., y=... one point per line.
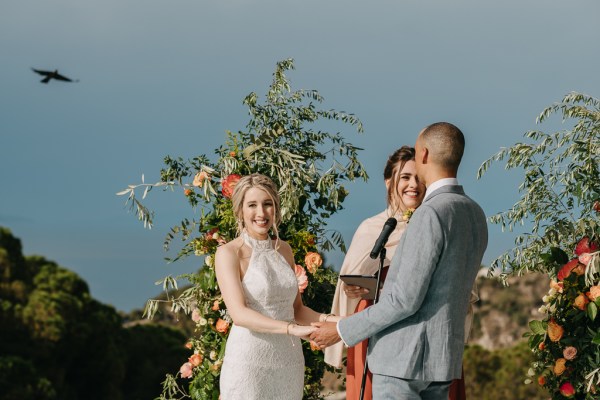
x=430, y=189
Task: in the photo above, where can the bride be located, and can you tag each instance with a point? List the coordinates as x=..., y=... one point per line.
x=263, y=355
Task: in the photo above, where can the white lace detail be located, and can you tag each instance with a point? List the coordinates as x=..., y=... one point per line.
x=264, y=365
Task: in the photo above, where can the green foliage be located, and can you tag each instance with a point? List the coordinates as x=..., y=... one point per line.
x=562, y=181
x=561, y=193
x=59, y=343
x=492, y=375
x=308, y=165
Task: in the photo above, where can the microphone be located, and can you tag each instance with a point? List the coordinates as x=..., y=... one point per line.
x=387, y=230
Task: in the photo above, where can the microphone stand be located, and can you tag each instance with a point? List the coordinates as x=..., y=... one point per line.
x=364, y=375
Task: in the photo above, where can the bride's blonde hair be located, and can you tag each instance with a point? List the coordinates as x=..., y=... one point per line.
x=259, y=181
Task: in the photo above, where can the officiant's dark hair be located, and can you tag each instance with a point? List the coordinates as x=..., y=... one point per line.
x=394, y=165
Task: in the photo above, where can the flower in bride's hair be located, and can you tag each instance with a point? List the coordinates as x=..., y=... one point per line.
x=313, y=261
x=301, y=277
x=228, y=184
x=222, y=326
x=407, y=214
x=186, y=370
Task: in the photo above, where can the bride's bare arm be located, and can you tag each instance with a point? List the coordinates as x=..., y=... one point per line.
x=227, y=268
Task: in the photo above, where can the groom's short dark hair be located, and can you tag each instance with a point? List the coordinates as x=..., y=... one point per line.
x=446, y=144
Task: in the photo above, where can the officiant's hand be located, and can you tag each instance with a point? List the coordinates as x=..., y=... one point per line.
x=326, y=335
x=354, y=292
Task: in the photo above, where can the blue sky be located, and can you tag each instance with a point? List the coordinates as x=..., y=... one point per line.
x=167, y=78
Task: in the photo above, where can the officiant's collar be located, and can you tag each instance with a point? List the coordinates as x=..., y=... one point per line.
x=438, y=184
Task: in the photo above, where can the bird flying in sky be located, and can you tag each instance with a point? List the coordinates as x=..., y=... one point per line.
x=52, y=75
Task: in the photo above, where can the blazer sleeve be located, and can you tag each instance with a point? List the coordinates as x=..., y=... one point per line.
x=414, y=264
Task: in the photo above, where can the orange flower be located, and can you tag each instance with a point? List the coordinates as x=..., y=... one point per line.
x=541, y=346
x=232, y=154
x=200, y=178
x=187, y=192
x=559, y=366
x=580, y=302
x=594, y=293
x=189, y=345
x=222, y=326
x=541, y=380
x=216, y=305
x=570, y=353
x=314, y=346
x=313, y=261
x=196, y=359
x=555, y=331
x=228, y=184
x=301, y=277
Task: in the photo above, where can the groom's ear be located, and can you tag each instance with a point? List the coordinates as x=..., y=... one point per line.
x=424, y=155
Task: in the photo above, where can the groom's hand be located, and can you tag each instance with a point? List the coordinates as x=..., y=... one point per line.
x=326, y=335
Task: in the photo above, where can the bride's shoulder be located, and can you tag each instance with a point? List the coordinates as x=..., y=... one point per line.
x=230, y=248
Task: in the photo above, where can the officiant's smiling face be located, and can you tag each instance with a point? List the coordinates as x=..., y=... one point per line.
x=258, y=212
x=410, y=190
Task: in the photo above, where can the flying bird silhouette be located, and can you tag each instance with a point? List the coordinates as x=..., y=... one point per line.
x=52, y=75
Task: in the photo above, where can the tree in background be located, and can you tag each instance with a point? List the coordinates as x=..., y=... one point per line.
x=309, y=166
x=561, y=203
x=57, y=342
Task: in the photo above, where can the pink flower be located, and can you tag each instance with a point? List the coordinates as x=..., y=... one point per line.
x=228, y=184
x=186, y=370
x=301, y=277
x=313, y=261
x=567, y=390
x=195, y=359
x=585, y=258
x=200, y=178
x=196, y=315
x=570, y=353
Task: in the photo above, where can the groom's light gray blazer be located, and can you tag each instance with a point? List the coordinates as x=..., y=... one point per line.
x=416, y=329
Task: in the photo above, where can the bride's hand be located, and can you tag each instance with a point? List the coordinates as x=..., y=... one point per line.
x=301, y=331
x=354, y=292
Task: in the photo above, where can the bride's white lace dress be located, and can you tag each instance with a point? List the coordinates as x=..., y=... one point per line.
x=257, y=365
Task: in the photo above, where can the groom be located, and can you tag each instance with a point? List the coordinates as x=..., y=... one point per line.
x=416, y=329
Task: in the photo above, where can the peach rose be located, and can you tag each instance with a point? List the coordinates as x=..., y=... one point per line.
x=222, y=326
x=558, y=286
x=567, y=390
x=187, y=192
x=216, y=305
x=594, y=293
x=228, y=184
x=559, y=366
x=313, y=261
x=189, y=345
x=314, y=346
x=301, y=278
x=570, y=353
x=581, y=302
x=196, y=359
x=186, y=370
x=200, y=178
x=541, y=380
x=555, y=331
